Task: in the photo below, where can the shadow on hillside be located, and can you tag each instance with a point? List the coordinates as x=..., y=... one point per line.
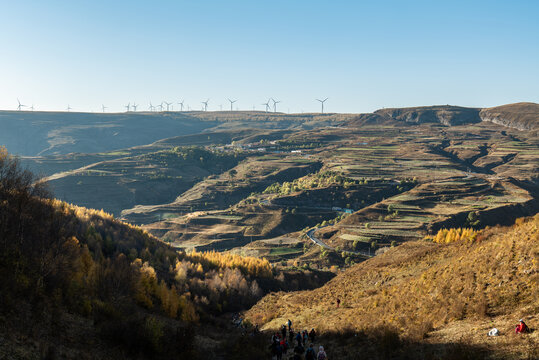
x=382, y=343
x=385, y=343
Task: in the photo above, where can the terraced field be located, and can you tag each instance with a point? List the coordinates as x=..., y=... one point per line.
x=428, y=207
x=257, y=191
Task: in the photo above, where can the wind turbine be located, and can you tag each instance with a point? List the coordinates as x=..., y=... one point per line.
x=160, y=106
x=275, y=104
x=232, y=103
x=103, y=107
x=267, y=105
x=181, y=105
x=205, y=103
x=20, y=105
x=69, y=108
x=151, y=107
x=168, y=105
x=128, y=106
x=32, y=107
x=134, y=106
x=322, y=102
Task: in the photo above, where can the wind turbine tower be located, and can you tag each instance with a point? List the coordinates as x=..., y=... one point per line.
x=103, y=107
x=151, y=107
x=134, y=106
x=181, y=105
x=205, y=103
x=69, y=108
x=275, y=104
x=128, y=106
x=168, y=105
x=19, y=108
x=322, y=102
x=267, y=104
x=232, y=103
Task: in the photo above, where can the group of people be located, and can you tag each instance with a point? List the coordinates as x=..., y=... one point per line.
x=237, y=320
x=521, y=328
x=280, y=344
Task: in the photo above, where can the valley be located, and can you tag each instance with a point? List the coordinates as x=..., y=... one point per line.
x=360, y=183
x=278, y=216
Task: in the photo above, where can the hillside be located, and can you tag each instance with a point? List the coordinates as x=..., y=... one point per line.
x=219, y=196
x=151, y=177
x=521, y=116
x=52, y=133
x=49, y=133
x=77, y=283
x=444, y=114
x=433, y=296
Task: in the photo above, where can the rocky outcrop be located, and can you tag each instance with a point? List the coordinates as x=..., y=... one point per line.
x=444, y=114
x=520, y=116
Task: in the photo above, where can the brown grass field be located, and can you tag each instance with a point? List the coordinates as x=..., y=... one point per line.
x=429, y=293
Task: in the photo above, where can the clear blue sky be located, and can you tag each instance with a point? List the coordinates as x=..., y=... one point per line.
x=363, y=55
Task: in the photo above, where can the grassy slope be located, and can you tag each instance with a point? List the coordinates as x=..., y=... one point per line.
x=460, y=290
x=150, y=178
x=253, y=175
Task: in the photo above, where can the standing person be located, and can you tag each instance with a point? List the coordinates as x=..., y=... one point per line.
x=279, y=351
x=273, y=348
x=291, y=336
x=285, y=345
x=289, y=325
x=310, y=354
x=321, y=354
x=283, y=331
x=299, y=349
x=305, y=337
x=312, y=335
x=299, y=338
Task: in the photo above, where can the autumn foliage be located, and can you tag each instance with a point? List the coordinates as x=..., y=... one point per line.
x=137, y=291
x=424, y=285
x=248, y=265
x=446, y=236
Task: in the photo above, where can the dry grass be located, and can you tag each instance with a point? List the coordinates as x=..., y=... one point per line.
x=460, y=289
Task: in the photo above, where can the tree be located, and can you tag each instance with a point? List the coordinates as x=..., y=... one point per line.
x=473, y=219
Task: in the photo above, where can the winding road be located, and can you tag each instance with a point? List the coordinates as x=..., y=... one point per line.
x=320, y=243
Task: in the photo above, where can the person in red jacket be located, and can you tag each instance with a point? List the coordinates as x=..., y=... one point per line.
x=521, y=327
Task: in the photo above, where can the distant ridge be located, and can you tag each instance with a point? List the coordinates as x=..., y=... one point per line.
x=30, y=133
x=444, y=114
x=522, y=116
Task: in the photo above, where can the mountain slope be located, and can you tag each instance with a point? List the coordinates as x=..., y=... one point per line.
x=78, y=283
x=419, y=286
